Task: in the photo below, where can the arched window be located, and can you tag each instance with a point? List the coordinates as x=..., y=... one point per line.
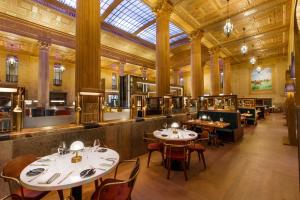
x=58, y=70
x=12, y=63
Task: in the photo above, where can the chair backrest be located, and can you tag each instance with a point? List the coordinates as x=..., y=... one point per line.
x=118, y=190
x=178, y=149
x=14, y=167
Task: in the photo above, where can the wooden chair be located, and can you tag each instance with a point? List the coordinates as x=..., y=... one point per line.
x=11, y=174
x=196, y=146
x=176, y=152
x=114, y=189
x=152, y=146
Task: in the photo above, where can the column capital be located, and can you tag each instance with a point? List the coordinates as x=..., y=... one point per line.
x=163, y=7
x=197, y=34
x=44, y=44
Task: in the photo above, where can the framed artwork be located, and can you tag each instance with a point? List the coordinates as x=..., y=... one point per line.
x=261, y=80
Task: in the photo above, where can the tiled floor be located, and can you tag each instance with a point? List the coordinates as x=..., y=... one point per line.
x=257, y=168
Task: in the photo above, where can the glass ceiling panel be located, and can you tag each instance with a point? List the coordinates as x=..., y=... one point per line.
x=72, y=3
x=149, y=34
x=177, y=38
x=130, y=15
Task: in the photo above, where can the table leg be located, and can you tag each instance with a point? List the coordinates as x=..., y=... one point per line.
x=76, y=193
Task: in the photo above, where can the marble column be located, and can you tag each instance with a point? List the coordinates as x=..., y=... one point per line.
x=215, y=71
x=227, y=76
x=197, y=77
x=43, y=74
x=87, y=73
x=122, y=68
x=176, y=77
x=163, y=12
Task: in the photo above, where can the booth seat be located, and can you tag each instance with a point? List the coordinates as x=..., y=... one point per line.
x=250, y=120
x=232, y=133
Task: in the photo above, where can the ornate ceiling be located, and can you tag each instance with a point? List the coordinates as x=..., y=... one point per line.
x=266, y=23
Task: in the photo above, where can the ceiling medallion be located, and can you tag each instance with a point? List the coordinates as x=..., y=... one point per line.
x=253, y=60
x=228, y=27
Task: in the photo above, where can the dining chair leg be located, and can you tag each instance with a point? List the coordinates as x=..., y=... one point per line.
x=60, y=194
x=163, y=158
x=149, y=156
x=203, y=159
x=199, y=156
x=169, y=168
x=96, y=184
x=184, y=168
x=189, y=159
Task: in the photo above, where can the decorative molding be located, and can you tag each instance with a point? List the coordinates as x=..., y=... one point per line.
x=163, y=7
x=197, y=34
x=41, y=33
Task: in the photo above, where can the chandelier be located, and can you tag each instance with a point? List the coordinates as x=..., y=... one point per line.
x=244, y=49
x=253, y=60
x=228, y=27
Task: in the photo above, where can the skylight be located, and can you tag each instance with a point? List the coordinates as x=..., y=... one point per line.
x=130, y=15
x=177, y=38
x=149, y=34
x=103, y=7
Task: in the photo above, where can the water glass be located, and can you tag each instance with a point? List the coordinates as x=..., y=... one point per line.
x=165, y=125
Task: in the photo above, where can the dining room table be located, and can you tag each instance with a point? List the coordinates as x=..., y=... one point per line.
x=172, y=134
x=209, y=125
x=57, y=172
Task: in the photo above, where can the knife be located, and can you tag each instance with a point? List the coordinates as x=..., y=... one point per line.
x=53, y=178
x=62, y=180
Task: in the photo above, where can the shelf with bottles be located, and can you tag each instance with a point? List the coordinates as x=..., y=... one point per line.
x=218, y=103
x=246, y=102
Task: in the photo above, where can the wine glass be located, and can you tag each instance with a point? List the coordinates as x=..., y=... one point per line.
x=184, y=127
x=221, y=119
x=96, y=143
x=61, y=148
x=165, y=125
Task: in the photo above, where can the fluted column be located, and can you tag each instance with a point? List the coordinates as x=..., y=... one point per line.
x=197, y=78
x=43, y=74
x=163, y=12
x=227, y=76
x=122, y=68
x=215, y=71
x=88, y=73
x=176, y=77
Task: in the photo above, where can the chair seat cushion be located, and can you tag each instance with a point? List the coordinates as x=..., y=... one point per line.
x=196, y=147
x=31, y=194
x=155, y=146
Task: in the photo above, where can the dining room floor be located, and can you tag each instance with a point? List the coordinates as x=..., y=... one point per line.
x=259, y=167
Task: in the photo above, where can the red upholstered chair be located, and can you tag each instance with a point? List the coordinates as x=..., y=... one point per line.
x=176, y=152
x=153, y=145
x=196, y=146
x=11, y=174
x=114, y=189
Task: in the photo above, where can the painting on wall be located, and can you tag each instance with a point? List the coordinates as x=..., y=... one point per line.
x=261, y=79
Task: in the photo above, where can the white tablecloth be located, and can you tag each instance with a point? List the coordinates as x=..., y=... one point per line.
x=181, y=135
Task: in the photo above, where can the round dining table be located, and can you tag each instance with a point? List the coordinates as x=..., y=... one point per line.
x=171, y=134
x=67, y=174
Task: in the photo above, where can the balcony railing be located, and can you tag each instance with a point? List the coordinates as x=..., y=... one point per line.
x=12, y=78
x=57, y=82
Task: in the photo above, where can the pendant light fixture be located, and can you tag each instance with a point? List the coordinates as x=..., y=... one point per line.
x=253, y=60
x=228, y=27
x=244, y=48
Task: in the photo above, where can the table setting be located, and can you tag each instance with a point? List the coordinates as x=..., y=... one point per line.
x=74, y=168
